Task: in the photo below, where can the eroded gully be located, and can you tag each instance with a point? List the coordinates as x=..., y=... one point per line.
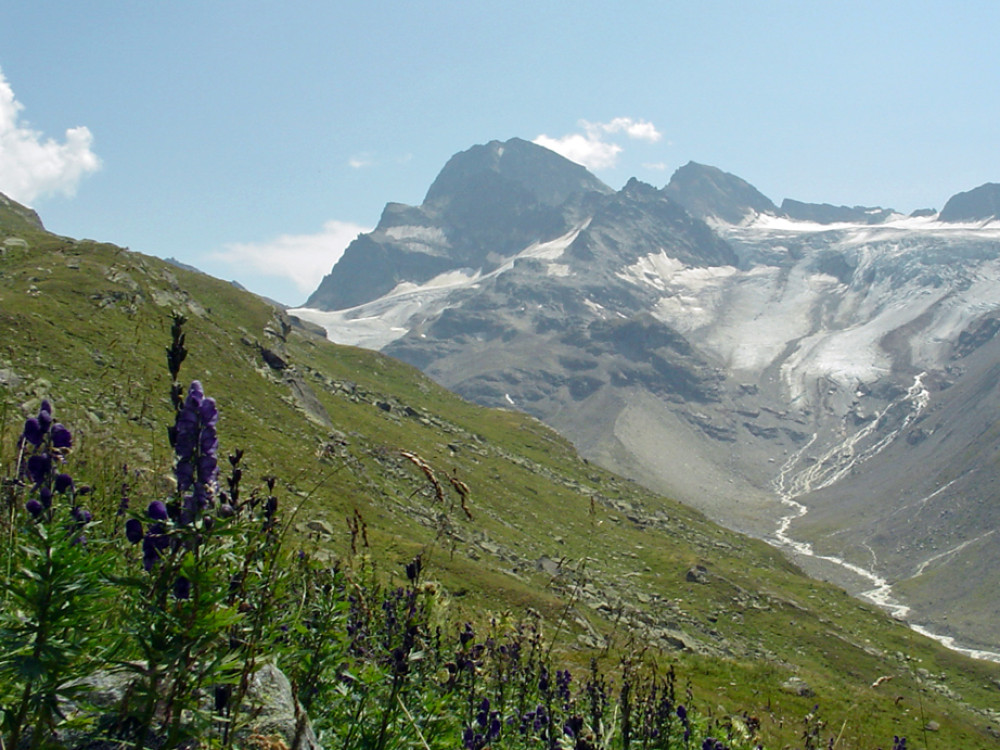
x=793, y=482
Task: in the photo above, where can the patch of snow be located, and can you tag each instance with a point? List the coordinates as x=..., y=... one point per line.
x=415, y=233
x=557, y=269
x=376, y=324
x=448, y=280
x=553, y=249
x=766, y=223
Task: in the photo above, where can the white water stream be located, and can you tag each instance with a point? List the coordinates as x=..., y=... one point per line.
x=834, y=465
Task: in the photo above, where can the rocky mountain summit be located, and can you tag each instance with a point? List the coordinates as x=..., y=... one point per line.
x=980, y=204
x=819, y=376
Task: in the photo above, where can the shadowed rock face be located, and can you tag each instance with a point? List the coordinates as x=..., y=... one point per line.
x=824, y=213
x=709, y=192
x=979, y=204
x=703, y=341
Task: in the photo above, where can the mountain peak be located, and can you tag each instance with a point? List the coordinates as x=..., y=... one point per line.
x=979, y=204
x=549, y=177
x=708, y=192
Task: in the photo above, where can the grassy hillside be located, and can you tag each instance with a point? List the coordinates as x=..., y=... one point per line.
x=609, y=567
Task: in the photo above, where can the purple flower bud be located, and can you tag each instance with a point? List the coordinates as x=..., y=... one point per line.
x=39, y=467
x=226, y=510
x=182, y=588
x=466, y=635
x=157, y=511
x=45, y=416
x=45, y=495
x=81, y=515
x=195, y=395
x=34, y=507
x=63, y=483
x=61, y=437
x=33, y=431
x=133, y=530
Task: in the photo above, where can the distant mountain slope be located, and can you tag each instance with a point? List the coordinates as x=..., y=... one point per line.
x=742, y=365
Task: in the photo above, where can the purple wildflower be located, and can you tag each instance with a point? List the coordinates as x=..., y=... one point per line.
x=157, y=510
x=483, y=717
x=39, y=467
x=563, y=679
x=153, y=545
x=33, y=432
x=573, y=726
x=45, y=416
x=81, y=515
x=208, y=469
x=541, y=719
x=466, y=635
x=63, y=483
x=195, y=446
x=208, y=412
x=45, y=495
x=133, y=530
x=61, y=437
x=34, y=507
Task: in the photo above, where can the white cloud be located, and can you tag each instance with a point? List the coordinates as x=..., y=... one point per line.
x=360, y=161
x=641, y=130
x=304, y=259
x=33, y=166
x=590, y=147
x=589, y=151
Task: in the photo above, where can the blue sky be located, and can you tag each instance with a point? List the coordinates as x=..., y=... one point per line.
x=255, y=139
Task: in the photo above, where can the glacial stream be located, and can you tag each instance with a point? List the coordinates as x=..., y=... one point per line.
x=794, y=481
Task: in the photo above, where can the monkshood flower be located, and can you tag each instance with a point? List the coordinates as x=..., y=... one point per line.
x=157, y=511
x=196, y=445
x=62, y=438
x=133, y=530
x=44, y=445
